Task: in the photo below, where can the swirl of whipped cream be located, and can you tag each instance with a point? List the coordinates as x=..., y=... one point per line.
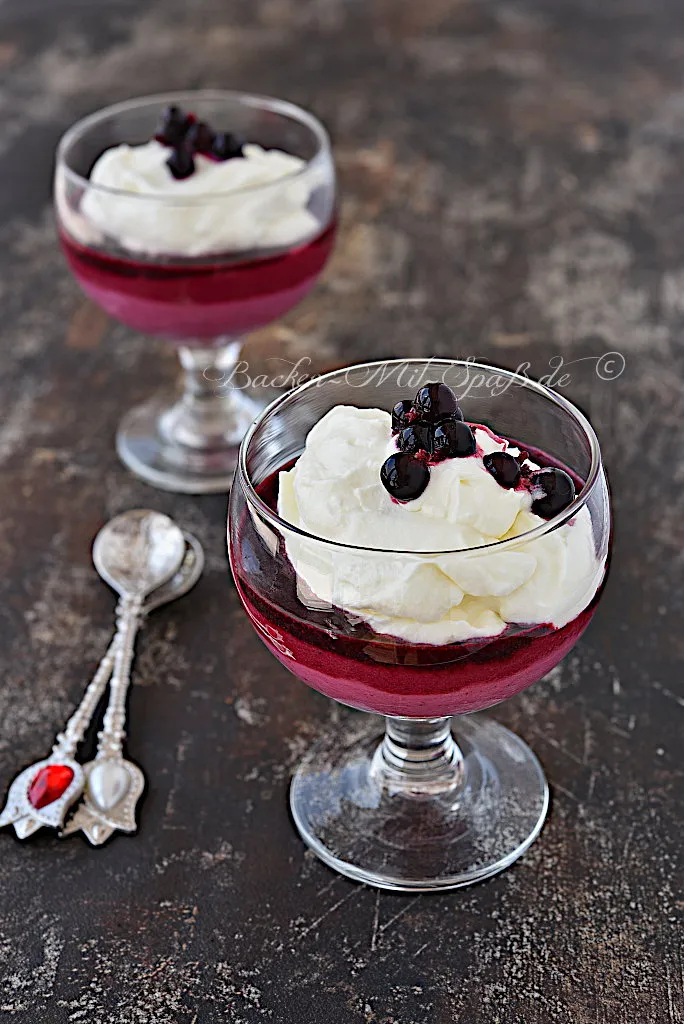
x=334, y=491
x=258, y=200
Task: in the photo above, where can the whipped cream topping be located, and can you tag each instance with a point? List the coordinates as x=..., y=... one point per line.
x=250, y=202
x=334, y=491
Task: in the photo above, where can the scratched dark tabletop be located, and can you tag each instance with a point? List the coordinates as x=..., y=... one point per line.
x=512, y=188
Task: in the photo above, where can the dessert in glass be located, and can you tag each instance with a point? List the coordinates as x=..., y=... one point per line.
x=420, y=556
x=195, y=217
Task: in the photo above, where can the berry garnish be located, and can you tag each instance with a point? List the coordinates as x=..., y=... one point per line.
x=199, y=138
x=404, y=477
x=417, y=437
x=172, y=126
x=226, y=146
x=183, y=131
x=436, y=402
x=453, y=440
x=400, y=414
x=503, y=467
x=181, y=164
x=557, y=492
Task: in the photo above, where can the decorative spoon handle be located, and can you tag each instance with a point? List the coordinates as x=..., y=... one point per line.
x=110, y=739
x=113, y=784
x=68, y=740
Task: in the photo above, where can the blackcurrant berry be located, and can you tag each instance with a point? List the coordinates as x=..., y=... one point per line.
x=417, y=437
x=436, y=402
x=404, y=477
x=453, y=440
x=226, y=146
x=199, y=138
x=503, y=467
x=399, y=414
x=181, y=164
x=172, y=126
x=555, y=491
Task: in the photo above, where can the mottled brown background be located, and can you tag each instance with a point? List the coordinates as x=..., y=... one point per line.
x=512, y=179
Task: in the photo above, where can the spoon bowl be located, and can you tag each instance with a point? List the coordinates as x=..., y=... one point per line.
x=183, y=580
x=138, y=551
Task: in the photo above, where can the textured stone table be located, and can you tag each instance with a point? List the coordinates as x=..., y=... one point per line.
x=512, y=189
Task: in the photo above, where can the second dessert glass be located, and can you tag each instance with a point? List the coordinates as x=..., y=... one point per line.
x=424, y=807
x=201, y=304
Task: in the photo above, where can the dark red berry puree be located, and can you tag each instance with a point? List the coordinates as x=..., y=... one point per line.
x=350, y=662
x=203, y=298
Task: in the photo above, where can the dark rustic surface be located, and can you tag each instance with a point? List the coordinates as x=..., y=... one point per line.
x=512, y=179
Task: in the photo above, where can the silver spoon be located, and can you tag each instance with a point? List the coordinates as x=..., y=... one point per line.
x=93, y=815
x=68, y=740
x=136, y=553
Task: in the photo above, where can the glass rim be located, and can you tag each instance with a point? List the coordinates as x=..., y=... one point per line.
x=254, y=100
x=548, y=526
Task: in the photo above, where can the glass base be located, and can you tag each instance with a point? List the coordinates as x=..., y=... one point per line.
x=446, y=829
x=189, y=454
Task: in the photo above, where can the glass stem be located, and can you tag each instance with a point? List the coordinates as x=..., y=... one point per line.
x=211, y=412
x=418, y=755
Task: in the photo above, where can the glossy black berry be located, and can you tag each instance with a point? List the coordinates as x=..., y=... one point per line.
x=555, y=491
x=172, y=125
x=181, y=164
x=503, y=467
x=436, y=402
x=453, y=440
x=417, y=437
x=199, y=138
x=400, y=413
x=404, y=477
x=226, y=146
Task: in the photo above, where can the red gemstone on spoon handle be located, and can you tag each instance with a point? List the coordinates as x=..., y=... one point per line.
x=49, y=784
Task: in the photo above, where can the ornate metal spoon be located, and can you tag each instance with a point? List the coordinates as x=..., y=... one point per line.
x=113, y=786
x=136, y=553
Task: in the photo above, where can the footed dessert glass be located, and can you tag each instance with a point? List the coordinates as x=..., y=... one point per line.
x=200, y=300
x=425, y=807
